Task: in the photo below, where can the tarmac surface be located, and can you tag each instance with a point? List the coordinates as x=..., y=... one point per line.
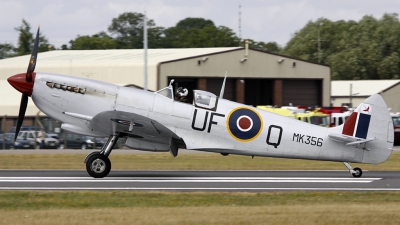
x=169, y=180
x=246, y=181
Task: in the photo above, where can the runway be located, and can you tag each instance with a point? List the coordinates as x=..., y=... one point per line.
x=238, y=181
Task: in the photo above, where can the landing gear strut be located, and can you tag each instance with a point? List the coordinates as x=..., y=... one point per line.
x=98, y=165
x=356, y=172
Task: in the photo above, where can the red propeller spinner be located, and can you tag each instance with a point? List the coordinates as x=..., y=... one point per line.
x=19, y=82
x=23, y=82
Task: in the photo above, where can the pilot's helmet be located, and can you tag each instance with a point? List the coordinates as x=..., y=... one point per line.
x=181, y=92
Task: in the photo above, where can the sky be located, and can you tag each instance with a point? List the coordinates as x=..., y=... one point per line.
x=261, y=20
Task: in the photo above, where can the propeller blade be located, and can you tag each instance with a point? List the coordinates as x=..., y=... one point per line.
x=21, y=115
x=32, y=61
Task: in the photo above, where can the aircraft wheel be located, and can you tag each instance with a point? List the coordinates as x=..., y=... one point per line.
x=357, y=172
x=98, y=165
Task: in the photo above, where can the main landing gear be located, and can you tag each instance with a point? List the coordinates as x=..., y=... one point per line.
x=98, y=165
x=356, y=172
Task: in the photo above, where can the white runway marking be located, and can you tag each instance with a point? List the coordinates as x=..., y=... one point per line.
x=188, y=180
x=118, y=183
x=197, y=189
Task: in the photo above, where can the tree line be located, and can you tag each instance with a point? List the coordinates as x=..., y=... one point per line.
x=126, y=32
x=367, y=49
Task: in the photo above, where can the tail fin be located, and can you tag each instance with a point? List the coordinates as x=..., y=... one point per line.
x=370, y=120
x=369, y=128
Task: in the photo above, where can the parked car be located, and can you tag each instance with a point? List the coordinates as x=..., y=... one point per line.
x=9, y=140
x=25, y=128
x=396, y=126
x=21, y=143
x=78, y=141
x=33, y=136
x=53, y=135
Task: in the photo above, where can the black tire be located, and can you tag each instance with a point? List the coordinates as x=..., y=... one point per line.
x=357, y=172
x=98, y=165
x=83, y=146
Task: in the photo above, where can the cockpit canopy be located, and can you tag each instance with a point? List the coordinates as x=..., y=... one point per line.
x=204, y=99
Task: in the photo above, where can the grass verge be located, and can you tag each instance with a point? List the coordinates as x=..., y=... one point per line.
x=119, y=207
x=164, y=161
x=22, y=207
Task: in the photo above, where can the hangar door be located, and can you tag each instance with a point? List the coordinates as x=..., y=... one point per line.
x=302, y=92
x=214, y=85
x=259, y=92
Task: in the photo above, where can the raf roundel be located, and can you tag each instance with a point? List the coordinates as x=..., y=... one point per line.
x=244, y=124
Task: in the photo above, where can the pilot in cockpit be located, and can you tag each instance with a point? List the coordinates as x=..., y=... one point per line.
x=181, y=94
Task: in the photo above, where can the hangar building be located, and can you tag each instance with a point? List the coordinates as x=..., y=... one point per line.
x=353, y=92
x=254, y=77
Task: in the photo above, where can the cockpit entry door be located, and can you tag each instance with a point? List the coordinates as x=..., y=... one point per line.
x=163, y=100
x=166, y=92
x=205, y=100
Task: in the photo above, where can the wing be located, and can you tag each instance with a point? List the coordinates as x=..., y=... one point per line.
x=143, y=133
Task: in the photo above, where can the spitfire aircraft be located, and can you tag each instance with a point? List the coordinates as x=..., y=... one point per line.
x=154, y=121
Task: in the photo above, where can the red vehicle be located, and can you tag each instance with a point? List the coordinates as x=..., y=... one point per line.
x=337, y=114
x=396, y=125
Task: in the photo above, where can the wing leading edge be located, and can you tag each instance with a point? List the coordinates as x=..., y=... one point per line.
x=143, y=133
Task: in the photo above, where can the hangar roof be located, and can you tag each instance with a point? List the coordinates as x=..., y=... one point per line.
x=60, y=61
x=361, y=87
x=114, y=56
x=121, y=66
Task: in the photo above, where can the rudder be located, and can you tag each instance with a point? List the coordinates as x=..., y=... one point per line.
x=371, y=122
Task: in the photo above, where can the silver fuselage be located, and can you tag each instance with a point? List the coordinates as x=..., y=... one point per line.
x=200, y=129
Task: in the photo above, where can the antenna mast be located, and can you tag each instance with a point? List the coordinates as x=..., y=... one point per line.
x=145, y=50
x=240, y=22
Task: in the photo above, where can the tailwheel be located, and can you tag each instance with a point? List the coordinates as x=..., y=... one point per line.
x=98, y=165
x=357, y=172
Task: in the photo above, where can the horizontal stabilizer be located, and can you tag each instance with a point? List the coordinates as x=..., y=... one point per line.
x=350, y=139
x=360, y=142
x=342, y=137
